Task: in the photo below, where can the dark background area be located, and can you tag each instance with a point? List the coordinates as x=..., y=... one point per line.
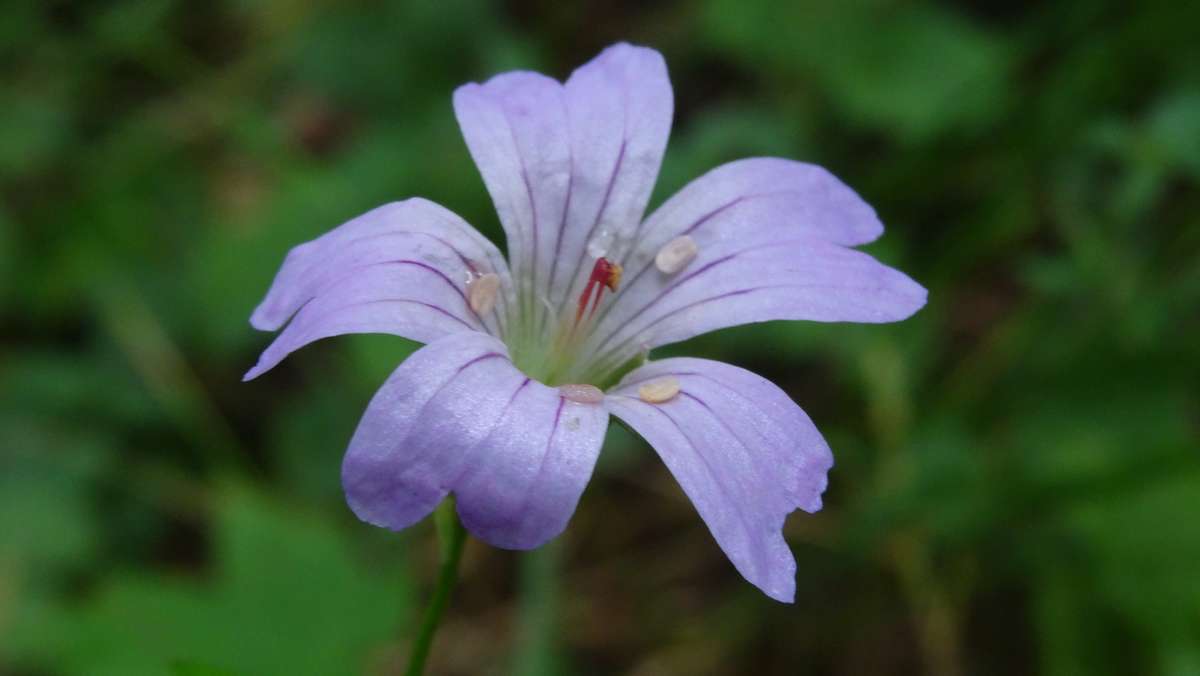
x=1017, y=487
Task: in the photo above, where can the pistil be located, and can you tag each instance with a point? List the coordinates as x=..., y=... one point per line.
x=560, y=361
x=604, y=274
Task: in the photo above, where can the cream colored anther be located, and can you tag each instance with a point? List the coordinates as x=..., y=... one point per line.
x=581, y=394
x=481, y=292
x=659, y=390
x=675, y=255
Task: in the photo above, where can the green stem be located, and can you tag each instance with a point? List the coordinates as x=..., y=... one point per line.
x=452, y=539
x=537, y=647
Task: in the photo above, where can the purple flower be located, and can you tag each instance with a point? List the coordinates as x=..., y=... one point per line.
x=507, y=404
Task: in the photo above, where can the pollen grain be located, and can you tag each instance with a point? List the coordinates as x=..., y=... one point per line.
x=581, y=393
x=660, y=390
x=481, y=293
x=675, y=255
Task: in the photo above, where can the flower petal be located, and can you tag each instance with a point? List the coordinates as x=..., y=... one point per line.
x=566, y=164
x=744, y=453
x=772, y=238
x=620, y=106
x=401, y=268
x=781, y=194
x=515, y=126
x=457, y=416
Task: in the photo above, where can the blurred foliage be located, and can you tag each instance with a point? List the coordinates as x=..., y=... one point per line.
x=280, y=586
x=1017, y=477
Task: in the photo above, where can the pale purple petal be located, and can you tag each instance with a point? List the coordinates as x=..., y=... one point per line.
x=771, y=254
x=733, y=282
x=568, y=163
x=744, y=453
x=620, y=106
x=515, y=126
x=401, y=268
x=769, y=194
x=458, y=417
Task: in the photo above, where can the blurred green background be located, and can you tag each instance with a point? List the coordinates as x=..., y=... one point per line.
x=1017, y=487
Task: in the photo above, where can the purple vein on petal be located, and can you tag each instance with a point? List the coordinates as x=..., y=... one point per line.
x=302, y=326
x=623, y=385
x=420, y=413
x=728, y=294
x=562, y=226
x=764, y=475
x=612, y=181
x=418, y=264
x=435, y=271
x=305, y=269
x=399, y=261
x=512, y=132
x=675, y=284
x=616, y=349
x=692, y=275
x=470, y=453
x=756, y=562
x=464, y=259
x=533, y=485
x=648, y=264
x=384, y=301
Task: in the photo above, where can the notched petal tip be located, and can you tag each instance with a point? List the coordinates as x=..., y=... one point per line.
x=626, y=51
x=745, y=454
x=814, y=505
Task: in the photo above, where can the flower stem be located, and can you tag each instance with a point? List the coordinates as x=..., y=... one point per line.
x=537, y=646
x=452, y=538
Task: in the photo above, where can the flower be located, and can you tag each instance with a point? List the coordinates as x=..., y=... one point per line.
x=507, y=404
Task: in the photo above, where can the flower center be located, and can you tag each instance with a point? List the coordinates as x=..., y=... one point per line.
x=549, y=349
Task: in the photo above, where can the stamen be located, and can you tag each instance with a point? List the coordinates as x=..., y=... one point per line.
x=481, y=292
x=581, y=394
x=676, y=254
x=604, y=274
x=659, y=391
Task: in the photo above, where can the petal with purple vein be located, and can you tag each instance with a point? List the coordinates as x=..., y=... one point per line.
x=743, y=452
x=401, y=269
x=413, y=229
x=567, y=163
x=458, y=417
x=734, y=281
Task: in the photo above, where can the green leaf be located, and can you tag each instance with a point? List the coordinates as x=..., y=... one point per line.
x=911, y=70
x=287, y=595
x=193, y=668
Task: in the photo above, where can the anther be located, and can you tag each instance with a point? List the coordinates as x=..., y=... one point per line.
x=604, y=273
x=660, y=390
x=581, y=394
x=481, y=292
x=675, y=255
x=612, y=274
